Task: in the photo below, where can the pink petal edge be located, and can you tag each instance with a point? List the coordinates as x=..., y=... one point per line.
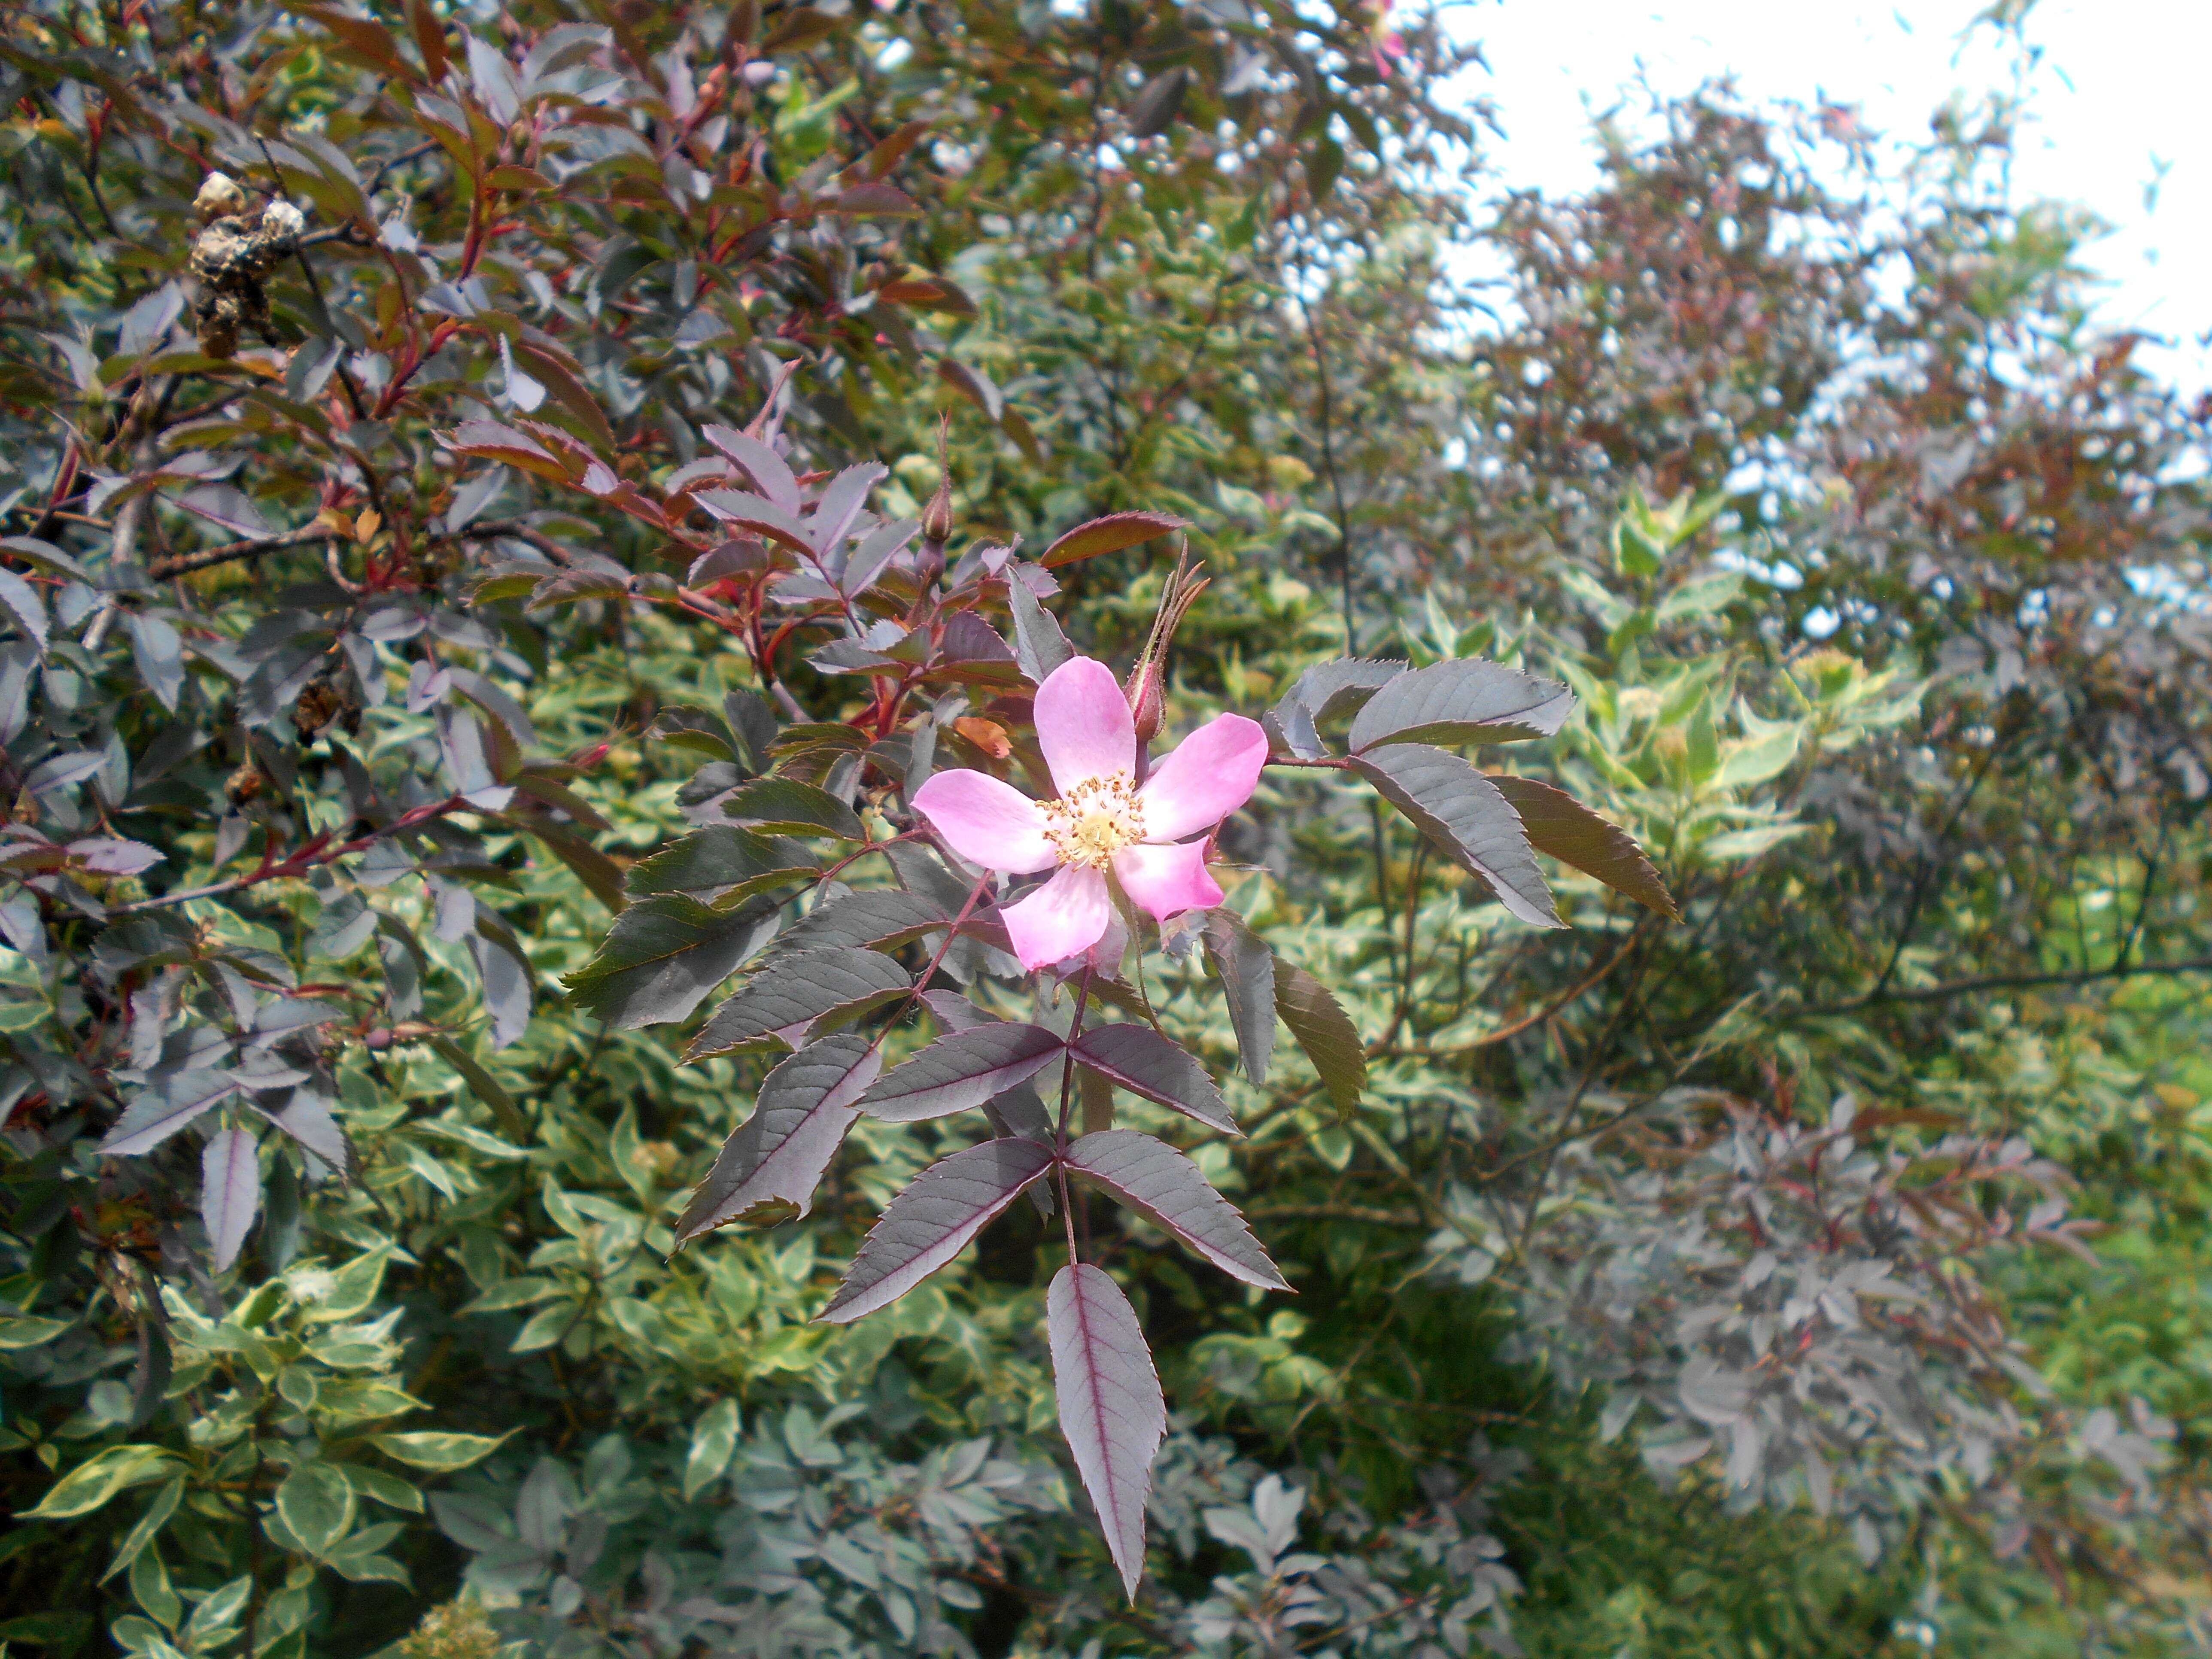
x=1166, y=881
x=1064, y=918
x=987, y=822
x=1211, y=773
x=1084, y=724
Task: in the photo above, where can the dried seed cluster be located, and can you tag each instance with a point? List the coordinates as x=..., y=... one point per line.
x=233, y=256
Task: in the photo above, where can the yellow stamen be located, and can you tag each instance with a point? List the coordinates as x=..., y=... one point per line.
x=1095, y=820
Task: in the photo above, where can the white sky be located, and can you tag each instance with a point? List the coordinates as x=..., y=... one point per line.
x=2118, y=91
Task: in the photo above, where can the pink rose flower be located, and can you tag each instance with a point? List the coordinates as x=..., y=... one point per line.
x=1103, y=818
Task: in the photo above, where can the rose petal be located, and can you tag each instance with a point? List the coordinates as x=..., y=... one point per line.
x=1084, y=724
x=1063, y=918
x=987, y=822
x=1212, y=773
x=1167, y=880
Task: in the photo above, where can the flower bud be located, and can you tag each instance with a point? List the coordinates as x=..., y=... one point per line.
x=937, y=516
x=1148, y=693
x=1147, y=686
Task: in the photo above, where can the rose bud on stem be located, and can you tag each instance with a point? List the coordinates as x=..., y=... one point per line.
x=1148, y=681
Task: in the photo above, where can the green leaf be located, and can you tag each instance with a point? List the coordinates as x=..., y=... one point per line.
x=352, y=1288
x=91, y=1484
x=1325, y=1031
x=441, y=1452
x=785, y=806
x=384, y=1486
x=512, y=1293
x=25, y=1332
x=1759, y=758
x=1749, y=843
x=713, y=1439
x=1562, y=826
x=215, y=1614
x=545, y=1328
x=662, y=957
x=1701, y=596
x=1324, y=162
x=804, y=989
x=1463, y=814
x=485, y=1087
x=149, y=1524
x=316, y=1504
x=722, y=865
x=151, y=1589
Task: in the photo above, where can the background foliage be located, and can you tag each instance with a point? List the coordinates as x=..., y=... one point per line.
x=1815, y=1274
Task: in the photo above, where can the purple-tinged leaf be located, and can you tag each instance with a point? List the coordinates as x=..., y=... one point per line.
x=1466, y=701
x=1557, y=824
x=1146, y=1063
x=839, y=507
x=771, y=474
x=1109, y=535
x=763, y=518
x=663, y=956
x=931, y=1221
x=963, y=1070
x=229, y=508
x=1111, y=1408
x=306, y=1117
x=804, y=989
x=777, y=1156
x=1164, y=1186
x=230, y=1192
x=1464, y=815
x=23, y=599
x=1247, y=967
x=1039, y=645
x=106, y=855
x=156, y=1113
x=1327, y=691
x=880, y=920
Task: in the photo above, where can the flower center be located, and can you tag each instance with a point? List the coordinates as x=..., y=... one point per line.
x=1095, y=820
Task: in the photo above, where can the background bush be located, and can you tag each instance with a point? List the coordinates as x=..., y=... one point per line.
x=1815, y=1273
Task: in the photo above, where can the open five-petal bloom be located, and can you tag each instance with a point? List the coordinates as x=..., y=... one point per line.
x=1103, y=818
